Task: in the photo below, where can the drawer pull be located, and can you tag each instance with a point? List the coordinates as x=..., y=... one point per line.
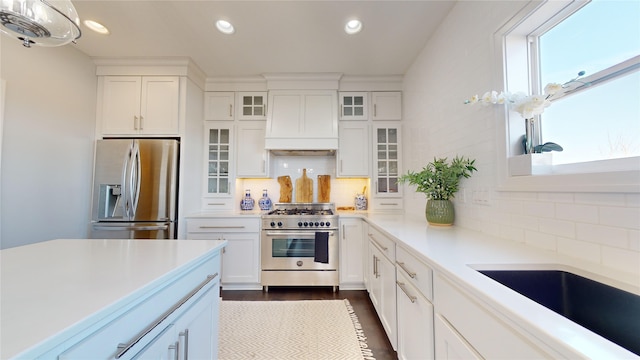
x=390, y=204
x=410, y=273
x=123, y=348
x=404, y=290
x=384, y=248
x=221, y=227
x=216, y=204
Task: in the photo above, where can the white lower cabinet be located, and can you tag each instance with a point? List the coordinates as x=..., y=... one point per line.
x=449, y=344
x=415, y=322
x=352, y=245
x=241, y=257
x=382, y=283
x=153, y=326
x=414, y=293
x=478, y=330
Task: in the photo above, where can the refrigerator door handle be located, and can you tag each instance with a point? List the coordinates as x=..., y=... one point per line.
x=124, y=188
x=135, y=178
x=120, y=227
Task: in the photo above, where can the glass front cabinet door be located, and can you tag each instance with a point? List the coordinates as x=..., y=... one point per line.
x=251, y=105
x=353, y=106
x=218, y=159
x=387, y=157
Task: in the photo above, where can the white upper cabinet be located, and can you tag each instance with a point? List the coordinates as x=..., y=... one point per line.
x=354, y=105
x=302, y=119
x=252, y=158
x=251, y=105
x=218, y=105
x=386, y=105
x=353, y=153
x=140, y=105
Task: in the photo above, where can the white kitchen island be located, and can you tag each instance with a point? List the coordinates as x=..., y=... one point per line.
x=82, y=298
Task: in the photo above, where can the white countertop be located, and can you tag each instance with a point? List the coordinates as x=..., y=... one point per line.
x=453, y=251
x=50, y=288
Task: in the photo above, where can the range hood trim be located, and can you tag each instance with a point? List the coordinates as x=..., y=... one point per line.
x=291, y=152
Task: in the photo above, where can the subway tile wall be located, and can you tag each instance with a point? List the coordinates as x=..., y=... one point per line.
x=457, y=62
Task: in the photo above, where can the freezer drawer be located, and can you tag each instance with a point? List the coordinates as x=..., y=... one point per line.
x=115, y=230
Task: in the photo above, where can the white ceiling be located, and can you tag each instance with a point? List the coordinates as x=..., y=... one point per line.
x=271, y=36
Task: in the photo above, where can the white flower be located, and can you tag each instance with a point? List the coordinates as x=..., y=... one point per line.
x=474, y=99
x=502, y=98
x=490, y=97
x=532, y=105
x=552, y=88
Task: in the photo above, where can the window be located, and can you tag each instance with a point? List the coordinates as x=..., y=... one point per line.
x=598, y=125
x=600, y=121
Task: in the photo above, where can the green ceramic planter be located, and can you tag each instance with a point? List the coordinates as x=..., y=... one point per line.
x=440, y=212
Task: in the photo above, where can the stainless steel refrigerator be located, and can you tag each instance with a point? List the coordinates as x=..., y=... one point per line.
x=135, y=186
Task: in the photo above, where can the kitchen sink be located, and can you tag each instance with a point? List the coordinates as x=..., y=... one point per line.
x=610, y=312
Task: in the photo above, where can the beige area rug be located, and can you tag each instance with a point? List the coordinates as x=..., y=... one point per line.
x=296, y=330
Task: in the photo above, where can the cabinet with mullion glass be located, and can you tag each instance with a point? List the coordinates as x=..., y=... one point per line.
x=387, y=164
x=219, y=162
x=353, y=105
x=251, y=105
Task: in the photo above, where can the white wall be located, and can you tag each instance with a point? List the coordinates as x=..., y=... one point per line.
x=457, y=62
x=47, y=154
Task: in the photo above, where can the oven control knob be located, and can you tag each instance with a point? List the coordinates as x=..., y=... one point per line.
x=300, y=223
x=321, y=223
x=317, y=224
x=306, y=223
x=279, y=223
x=327, y=223
x=272, y=224
x=299, y=263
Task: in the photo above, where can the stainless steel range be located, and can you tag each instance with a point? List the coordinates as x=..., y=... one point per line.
x=299, y=245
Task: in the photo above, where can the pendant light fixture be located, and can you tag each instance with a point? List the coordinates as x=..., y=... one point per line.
x=40, y=22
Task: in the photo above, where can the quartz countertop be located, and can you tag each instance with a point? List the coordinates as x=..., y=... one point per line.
x=457, y=253
x=50, y=289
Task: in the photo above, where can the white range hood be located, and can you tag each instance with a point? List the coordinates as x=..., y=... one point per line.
x=302, y=115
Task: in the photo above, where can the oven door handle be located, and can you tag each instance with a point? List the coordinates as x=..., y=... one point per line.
x=292, y=233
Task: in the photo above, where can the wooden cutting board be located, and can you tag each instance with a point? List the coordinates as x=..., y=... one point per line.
x=286, y=188
x=324, y=188
x=304, y=188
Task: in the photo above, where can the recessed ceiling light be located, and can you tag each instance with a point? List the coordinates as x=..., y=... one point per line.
x=225, y=27
x=353, y=27
x=97, y=27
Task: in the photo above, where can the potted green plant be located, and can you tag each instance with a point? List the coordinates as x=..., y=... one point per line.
x=439, y=181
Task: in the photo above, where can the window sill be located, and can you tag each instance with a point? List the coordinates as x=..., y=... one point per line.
x=619, y=176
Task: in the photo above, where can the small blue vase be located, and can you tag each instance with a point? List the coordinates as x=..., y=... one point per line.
x=248, y=202
x=265, y=203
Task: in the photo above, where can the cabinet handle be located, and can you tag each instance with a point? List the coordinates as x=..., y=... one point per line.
x=230, y=110
x=404, y=290
x=391, y=204
x=375, y=110
x=384, y=248
x=141, y=122
x=185, y=344
x=216, y=204
x=375, y=266
x=221, y=227
x=341, y=166
x=173, y=351
x=410, y=273
x=123, y=348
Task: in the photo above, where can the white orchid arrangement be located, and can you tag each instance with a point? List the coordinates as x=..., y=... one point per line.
x=527, y=106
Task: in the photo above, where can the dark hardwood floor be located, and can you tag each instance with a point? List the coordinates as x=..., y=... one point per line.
x=376, y=337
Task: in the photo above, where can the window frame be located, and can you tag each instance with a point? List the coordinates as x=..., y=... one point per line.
x=515, y=71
